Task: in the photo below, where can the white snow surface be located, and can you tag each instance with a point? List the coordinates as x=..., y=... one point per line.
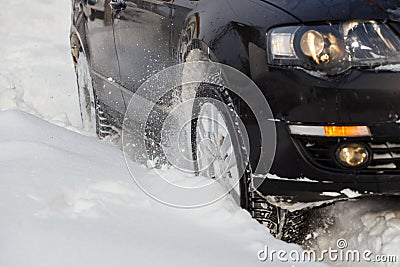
x=67, y=199
x=35, y=58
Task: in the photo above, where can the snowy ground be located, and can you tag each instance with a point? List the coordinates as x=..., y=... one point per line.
x=365, y=225
x=67, y=199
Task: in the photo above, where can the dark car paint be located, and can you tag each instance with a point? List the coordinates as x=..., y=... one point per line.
x=142, y=31
x=98, y=31
x=339, y=10
x=234, y=33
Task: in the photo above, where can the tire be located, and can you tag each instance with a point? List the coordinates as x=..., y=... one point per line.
x=288, y=226
x=213, y=108
x=295, y=226
x=94, y=119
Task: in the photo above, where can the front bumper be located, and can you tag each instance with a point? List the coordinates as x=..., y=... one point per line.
x=357, y=98
x=296, y=177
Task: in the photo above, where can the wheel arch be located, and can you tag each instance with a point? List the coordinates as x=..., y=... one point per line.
x=202, y=31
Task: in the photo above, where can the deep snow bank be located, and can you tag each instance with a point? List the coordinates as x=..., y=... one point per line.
x=68, y=200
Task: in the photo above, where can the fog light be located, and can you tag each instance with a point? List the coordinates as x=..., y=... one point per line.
x=352, y=155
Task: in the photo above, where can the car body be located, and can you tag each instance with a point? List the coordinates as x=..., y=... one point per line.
x=157, y=33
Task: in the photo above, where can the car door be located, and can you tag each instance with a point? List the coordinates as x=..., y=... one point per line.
x=142, y=38
x=102, y=53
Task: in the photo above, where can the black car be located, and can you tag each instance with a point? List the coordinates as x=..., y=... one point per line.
x=330, y=71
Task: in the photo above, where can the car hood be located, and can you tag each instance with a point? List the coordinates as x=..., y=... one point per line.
x=334, y=10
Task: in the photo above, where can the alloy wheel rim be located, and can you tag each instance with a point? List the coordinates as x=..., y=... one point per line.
x=215, y=153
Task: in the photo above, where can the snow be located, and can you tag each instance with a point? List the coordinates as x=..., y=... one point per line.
x=276, y=177
x=330, y=194
x=367, y=225
x=35, y=58
x=391, y=67
x=303, y=179
x=350, y=193
x=67, y=199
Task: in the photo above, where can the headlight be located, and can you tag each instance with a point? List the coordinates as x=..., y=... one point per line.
x=334, y=48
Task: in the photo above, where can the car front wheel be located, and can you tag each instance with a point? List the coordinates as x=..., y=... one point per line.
x=218, y=146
